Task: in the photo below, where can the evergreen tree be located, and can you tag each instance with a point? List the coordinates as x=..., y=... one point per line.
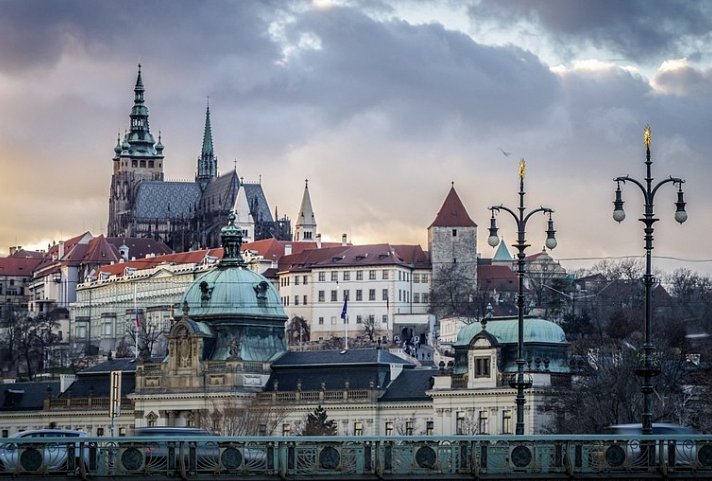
x=318, y=424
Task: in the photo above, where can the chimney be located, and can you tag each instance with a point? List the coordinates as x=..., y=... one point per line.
x=14, y=249
x=287, y=249
x=60, y=252
x=318, y=241
x=343, y=240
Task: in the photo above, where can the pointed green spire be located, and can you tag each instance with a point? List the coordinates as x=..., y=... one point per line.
x=140, y=139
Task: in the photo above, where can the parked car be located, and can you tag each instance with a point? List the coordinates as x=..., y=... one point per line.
x=685, y=452
x=45, y=455
x=207, y=452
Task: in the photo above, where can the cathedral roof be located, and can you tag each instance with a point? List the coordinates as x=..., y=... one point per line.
x=166, y=200
x=220, y=193
x=256, y=196
x=453, y=213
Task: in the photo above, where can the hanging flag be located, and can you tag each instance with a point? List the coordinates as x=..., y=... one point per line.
x=345, y=308
x=137, y=318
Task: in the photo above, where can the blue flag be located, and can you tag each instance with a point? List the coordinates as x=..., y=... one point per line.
x=345, y=308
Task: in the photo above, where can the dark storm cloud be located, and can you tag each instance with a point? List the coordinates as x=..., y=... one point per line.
x=635, y=29
x=422, y=78
x=36, y=33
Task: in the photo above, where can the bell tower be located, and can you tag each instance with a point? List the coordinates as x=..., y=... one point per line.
x=137, y=157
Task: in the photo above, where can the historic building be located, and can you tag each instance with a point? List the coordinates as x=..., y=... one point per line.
x=15, y=275
x=184, y=215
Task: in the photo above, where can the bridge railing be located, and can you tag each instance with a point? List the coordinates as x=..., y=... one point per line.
x=364, y=457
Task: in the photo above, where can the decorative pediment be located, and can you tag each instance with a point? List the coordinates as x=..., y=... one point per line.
x=483, y=340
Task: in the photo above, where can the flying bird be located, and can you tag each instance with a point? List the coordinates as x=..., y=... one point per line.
x=506, y=154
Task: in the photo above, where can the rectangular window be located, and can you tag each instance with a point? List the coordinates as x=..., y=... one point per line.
x=304, y=299
x=359, y=295
x=371, y=275
x=296, y=300
x=384, y=295
x=107, y=329
x=400, y=275
x=262, y=430
x=296, y=280
x=334, y=293
x=425, y=297
x=506, y=422
x=347, y=275
x=482, y=367
x=321, y=321
x=454, y=232
x=389, y=428
x=358, y=428
x=99, y=431
x=335, y=276
x=483, y=424
x=416, y=298
x=425, y=278
x=81, y=331
x=286, y=429
x=359, y=319
x=460, y=423
x=384, y=318
x=122, y=431
x=5, y=433
x=371, y=319
x=429, y=428
x=346, y=295
x=409, y=428
x=416, y=278
x=359, y=275
x=322, y=276
x=321, y=296
x=384, y=275
x=304, y=280
x=372, y=294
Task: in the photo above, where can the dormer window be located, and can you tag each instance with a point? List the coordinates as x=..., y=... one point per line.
x=482, y=367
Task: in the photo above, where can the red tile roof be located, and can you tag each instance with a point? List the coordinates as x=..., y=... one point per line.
x=497, y=277
x=453, y=213
x=191, y=257
x=273, y=249
x=356, y=256
x=17, y=266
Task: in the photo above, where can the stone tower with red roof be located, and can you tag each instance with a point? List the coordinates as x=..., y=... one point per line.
x=452, y=239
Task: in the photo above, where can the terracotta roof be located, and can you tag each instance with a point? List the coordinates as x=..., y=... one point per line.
x=100, y=251
x=17, y=266
x=191, y=257
x=453, y=213
x=356, y=256
x=497, y=277
x=273, y=249
x=24, y=254
x=140, y=246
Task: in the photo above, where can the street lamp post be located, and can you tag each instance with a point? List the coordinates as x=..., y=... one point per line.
x=648, y=369
x=521, y=219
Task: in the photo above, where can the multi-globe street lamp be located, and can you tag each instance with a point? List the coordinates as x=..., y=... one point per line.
x=521, y=217
x=648, y=369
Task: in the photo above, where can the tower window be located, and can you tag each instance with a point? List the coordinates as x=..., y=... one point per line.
x=150, y=164
x=454, y=232
x=143, y=164
x=134, y=163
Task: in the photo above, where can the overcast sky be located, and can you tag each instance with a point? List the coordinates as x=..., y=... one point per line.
x=380, y=104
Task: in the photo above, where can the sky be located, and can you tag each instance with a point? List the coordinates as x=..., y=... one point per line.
x=381, y=105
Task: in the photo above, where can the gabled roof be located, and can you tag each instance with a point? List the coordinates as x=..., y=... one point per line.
x=25, y=254
x=258, y=202
x=453, y=213
x=273, y=249
x=100, y=251
x=221, y=192
x=502, y=254
x=140, y=246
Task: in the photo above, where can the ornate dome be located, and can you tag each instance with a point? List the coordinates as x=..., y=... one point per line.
x=506, y=331
x=240, y=306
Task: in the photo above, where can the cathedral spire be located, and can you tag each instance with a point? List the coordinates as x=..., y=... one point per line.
x=207, y=162
x=305, y=229
x=140, y=139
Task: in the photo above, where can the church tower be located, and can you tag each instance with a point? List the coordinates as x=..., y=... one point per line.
x=138, y=157
x=244, y=220
x=207, y=162
x=452, y=240
x=305, y=229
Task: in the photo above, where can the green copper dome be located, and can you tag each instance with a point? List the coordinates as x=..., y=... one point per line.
x=241, y=307
x=506, y=331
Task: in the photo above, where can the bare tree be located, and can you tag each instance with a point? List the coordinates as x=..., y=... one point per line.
x=454, y=294
x=247, y=415
x=297, y=331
